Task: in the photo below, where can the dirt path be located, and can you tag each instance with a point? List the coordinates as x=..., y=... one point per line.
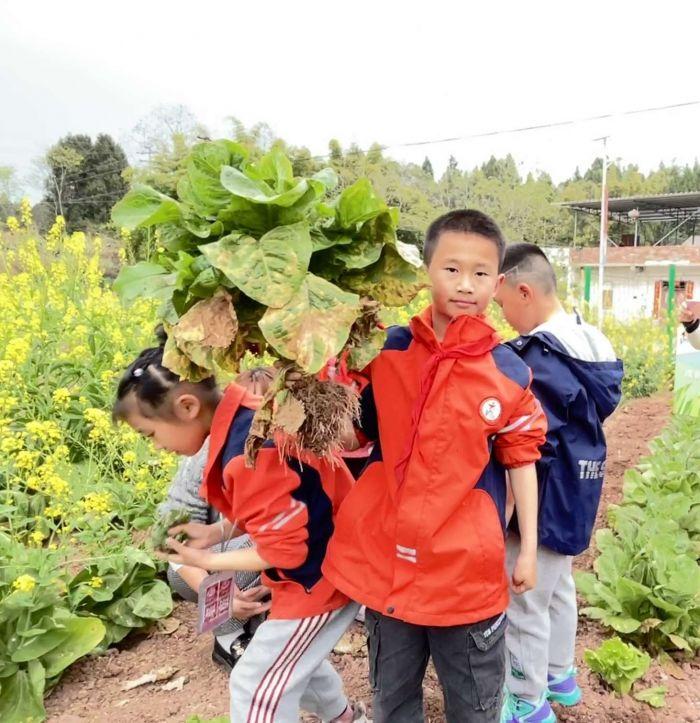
x=92, y=690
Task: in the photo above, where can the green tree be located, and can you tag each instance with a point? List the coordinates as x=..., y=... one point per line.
x=452, y=186
x=9, y=191
x=165, y=167
x=374, y=154
x=63, y=162
x=428, y=167
x=258, y=139
x=154, y=135
x=502, y=169
x=85, y=179
x=335, y=151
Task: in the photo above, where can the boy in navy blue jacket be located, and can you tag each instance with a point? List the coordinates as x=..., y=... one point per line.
x=577, y=379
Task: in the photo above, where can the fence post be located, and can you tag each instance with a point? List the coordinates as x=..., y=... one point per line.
x=670, y=306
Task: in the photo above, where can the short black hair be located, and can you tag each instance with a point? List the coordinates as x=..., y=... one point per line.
x=466, y=220
x=529, y=261
x=151, y=383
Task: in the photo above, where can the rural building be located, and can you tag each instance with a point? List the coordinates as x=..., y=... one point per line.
x=653, y=248
x=637, y=278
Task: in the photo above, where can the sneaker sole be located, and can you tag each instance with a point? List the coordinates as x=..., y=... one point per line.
x=565, y=699
x=222, y=662
x=507, y=716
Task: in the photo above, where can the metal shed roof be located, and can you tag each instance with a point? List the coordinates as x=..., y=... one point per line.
x=666, y=207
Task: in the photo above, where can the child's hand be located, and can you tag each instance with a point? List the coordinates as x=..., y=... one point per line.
x=247, y=603
x=199, y=535
x=185, y=554
x=685, y=315
x=524, y=573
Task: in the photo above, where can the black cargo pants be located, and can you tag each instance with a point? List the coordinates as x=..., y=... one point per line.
x=469, y=660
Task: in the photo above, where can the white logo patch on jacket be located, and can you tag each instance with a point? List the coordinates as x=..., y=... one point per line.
x=490, y=409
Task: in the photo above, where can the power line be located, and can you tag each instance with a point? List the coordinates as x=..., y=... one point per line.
x=472, y=136
x=74, y=177
x=527, y=129
x=85, y=199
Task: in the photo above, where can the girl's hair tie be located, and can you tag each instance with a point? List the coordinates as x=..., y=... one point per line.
x=138, y=372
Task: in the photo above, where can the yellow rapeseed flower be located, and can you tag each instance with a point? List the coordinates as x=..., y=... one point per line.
x=97, y=503
x=25, y=211
x=101, y=423
x=26, y=459
x=17, y=350
x=46, y=431
x=12, y=444
x=61, y=397
x=57, y=486
x=24, y=583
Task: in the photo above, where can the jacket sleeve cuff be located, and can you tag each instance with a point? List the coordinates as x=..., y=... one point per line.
x=513, y=458
x=286, y=557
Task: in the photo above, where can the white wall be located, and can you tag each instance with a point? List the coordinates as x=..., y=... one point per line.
x=633, y=289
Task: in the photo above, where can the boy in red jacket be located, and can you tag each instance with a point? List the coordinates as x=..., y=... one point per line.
x=450, y=410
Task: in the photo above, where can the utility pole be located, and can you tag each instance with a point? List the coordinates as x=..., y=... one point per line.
x=603, y=247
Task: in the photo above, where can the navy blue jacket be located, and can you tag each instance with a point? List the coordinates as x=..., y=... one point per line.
x=577, y=397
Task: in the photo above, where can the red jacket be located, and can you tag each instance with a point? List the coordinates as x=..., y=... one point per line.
x=421, y=535
x=286, y=506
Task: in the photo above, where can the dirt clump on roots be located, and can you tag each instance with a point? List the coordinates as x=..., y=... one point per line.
x=329, y=409
x=301, y=413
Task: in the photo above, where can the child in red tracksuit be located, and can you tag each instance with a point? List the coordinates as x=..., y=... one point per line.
x=449, y=409
x=287, y=505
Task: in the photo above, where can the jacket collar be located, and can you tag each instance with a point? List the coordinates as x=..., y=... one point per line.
x=462, y=331
x=235, y=397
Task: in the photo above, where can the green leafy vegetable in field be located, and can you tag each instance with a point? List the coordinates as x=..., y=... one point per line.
x=655, y=697
x=618, y=664
x=159, y=533
x=646, y=579
x=294, y=260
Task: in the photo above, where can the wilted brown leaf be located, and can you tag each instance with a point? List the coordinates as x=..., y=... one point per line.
x=289, y=415
x=168, y=626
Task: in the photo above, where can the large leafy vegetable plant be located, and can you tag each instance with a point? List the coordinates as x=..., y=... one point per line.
x=39, y=635
x=128, y=597
x=48, y=620
x=257, y=260
x=646, y=580
x=289, y=262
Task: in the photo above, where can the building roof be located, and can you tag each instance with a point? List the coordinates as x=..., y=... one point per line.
x=666, y=207
x=638, y=256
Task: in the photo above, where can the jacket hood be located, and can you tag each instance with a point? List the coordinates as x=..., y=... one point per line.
x=602, y=379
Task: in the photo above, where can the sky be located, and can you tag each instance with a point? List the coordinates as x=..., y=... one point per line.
x=390, y=72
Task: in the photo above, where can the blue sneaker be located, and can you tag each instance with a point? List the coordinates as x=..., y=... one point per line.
x=563, y=689
x=519, y=710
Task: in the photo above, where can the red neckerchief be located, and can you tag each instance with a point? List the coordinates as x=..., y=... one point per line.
x=466, y=336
